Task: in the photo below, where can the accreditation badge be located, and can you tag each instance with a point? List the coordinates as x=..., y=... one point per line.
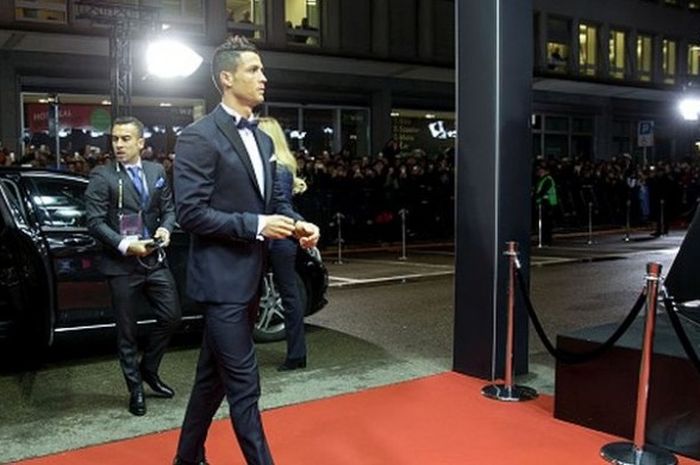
x=131, y=225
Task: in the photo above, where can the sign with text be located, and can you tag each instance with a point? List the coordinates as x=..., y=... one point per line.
x=431, y=135
x=70, y=116
x=645, y=134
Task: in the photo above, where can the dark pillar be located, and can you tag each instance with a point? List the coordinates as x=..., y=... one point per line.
x=10, y=132
x=494, y=73
x=216, y=21
x=380, y=28
x=381, y=119
x=276, y=28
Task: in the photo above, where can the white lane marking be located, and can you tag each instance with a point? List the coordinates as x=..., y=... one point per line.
x=348, y=282
x=401, y=263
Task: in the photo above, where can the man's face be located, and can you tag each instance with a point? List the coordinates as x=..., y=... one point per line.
x=127, y=143
x=247, y=81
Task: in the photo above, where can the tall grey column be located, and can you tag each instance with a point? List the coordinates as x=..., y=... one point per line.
x=494, y=73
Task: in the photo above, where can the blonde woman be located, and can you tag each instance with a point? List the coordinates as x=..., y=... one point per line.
x=283, y=251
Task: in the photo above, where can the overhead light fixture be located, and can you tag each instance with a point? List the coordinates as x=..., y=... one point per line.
x=106, y=102
x=170, y=59
x=166, y=104
x=429, y=116
x=395, y=114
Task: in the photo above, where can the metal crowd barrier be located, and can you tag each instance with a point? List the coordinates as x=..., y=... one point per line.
x=637, y=452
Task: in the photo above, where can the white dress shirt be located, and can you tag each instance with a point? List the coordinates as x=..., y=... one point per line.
x=251, y=146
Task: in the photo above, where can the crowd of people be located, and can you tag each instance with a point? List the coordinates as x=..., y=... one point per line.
x=367, y=194
x=656, y=194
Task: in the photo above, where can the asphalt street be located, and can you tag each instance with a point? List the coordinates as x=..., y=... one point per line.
x=387, y=320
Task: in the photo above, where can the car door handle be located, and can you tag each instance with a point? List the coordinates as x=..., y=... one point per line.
x=75, y=241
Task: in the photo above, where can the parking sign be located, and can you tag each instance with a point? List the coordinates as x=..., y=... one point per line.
x=645, y=134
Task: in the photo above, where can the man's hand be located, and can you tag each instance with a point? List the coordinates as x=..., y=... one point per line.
x=307, y=233
x=164, y=235
x=140, y=248
x=278, y=227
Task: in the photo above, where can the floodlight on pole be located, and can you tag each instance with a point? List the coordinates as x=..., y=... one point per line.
x=168, y=58
x=690, y=109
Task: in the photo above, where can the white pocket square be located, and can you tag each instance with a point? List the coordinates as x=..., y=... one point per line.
x=273, y=158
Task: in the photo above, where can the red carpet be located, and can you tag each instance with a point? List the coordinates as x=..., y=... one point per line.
x=441, y=419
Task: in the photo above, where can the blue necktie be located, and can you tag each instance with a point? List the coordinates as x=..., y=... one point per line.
x=135, y=172
x=247, y=124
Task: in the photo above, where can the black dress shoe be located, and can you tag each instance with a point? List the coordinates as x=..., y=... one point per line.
x=292, y=364
x=137, y=402
x=157, y=385
x=179, y=461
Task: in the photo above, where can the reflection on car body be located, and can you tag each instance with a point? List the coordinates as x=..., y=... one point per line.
x=49, y=280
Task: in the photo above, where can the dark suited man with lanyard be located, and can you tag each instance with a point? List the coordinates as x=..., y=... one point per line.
x=128, y=201
x=227, y=198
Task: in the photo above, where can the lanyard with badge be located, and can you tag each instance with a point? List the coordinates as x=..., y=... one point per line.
x=130, y=225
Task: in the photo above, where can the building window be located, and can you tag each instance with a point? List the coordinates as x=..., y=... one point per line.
x=246, y=18
x=644, y=57
x=588, y=45
x=183, y=15
x=617, y=54
x=694, y=59
x=562, y=136
x=318, y=128
x=558, y=40
x=557, y=57
x=42, y=11
x=669, y=63
x=303, y=18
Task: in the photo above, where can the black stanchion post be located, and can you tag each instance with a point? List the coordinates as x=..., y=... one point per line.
x=638, y=453
x=338, y=220
x=403, y=212
x=662, y=223
x=590, y=223
x=627, y=220
x=508, y=391
x=539, y=225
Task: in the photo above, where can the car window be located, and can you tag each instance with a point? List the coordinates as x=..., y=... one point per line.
x=11, y=196
x=60, y=202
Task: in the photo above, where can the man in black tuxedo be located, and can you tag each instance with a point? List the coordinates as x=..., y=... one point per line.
x=228, y=200
x=128, y=200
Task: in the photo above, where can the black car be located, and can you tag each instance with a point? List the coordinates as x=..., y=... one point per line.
x=49, y=281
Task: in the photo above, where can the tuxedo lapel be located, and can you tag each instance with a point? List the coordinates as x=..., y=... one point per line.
x=225, y=123
x=267, y=166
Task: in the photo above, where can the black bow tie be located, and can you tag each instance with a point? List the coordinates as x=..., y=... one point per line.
x=247, y=124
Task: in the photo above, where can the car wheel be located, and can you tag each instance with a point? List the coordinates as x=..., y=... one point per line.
x=269, y=325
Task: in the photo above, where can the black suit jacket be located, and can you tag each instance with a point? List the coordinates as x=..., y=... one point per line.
x=102, y=197
x=218, y=201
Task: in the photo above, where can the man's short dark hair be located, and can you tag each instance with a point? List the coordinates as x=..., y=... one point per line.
x=228, y=55
x=121, y=120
